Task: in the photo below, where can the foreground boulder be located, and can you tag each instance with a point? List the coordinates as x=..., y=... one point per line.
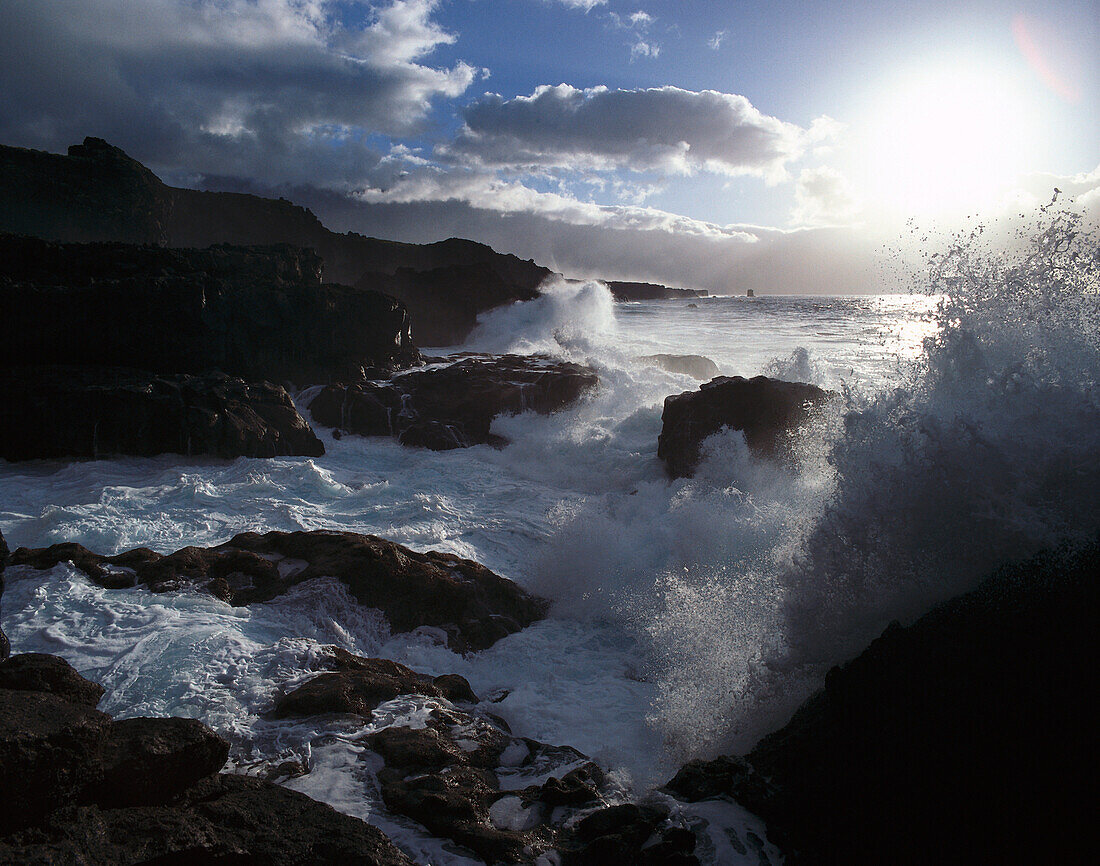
x=94, y=791
x=453, y=405
x=470, y=605
x=254, y=312
x=768, y=411
x=960, y=738
x=90, y=412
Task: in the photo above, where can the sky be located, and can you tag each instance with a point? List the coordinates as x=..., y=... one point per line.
x=778, y=146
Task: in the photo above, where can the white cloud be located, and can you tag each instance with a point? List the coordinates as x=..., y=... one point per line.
x=715, y=41
x=586, y=5
x=665, y=129
x=638, y=24
x=273, y=90
x=823, y=197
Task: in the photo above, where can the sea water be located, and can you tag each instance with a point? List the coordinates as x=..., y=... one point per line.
x=689, y=616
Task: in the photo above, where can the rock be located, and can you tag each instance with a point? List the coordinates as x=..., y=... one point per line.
x=97, y=193
x=627, y=291
x=618, y=836
x=453, y=406
x=38, y=672
x=90, y=412
x=959, y=737
x=147, y=762
x=5, y=646
x=697, y=366
x=473, y=606
x=254, y=312
x=361, y=689
x=767, y=410
x=49, y=753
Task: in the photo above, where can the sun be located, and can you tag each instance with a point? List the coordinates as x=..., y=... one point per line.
x=943, y=139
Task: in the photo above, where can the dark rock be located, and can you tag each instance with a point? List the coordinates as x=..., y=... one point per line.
x=149, y=761
x=575, y=788
x=453, y=406
x=473, y=606
x=254, y=312
x=697, y=366
x=89, y=412
x=224, y=819
x=627, y=835
x=38, y=672
x=959, y=738
x=4, y=553
x=5, y=646
x=626, y=291
x=97, y=193
x=49, y=753
x=362, y=688
x=767, y=410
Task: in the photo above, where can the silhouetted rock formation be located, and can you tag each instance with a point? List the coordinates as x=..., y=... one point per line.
x=452, y=406
x=960, y=738
x=696, y=366
x=91, y=412
x=469, y=604
x=254, y=312
x=767, y=410
x=5, y=646
x=98, y=193
x=95, y=791
x=627, y=291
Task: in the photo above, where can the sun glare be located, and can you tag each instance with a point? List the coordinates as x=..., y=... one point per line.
x=947, y=140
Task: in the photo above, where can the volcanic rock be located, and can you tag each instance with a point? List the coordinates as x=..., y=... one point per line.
x=254, y=312
x=38, y=672
x=622, y=290
x=453, y=405
x=697, y=366
x=768, y=411
x=5, y=646
x=362, y=688
x=958, y=738
x=470, y=604
x=90, y=412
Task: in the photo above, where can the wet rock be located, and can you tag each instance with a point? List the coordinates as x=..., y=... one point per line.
x=470, y=604
x=767, y=410
x=38, y=672
x=90, y=412
x=697, y=366
x=452, y=405
x=5, y=646
x=50, y=752
x=150, y=761
x=959, y=737
x=361, y=688
x=626, y=835
x=260, y=313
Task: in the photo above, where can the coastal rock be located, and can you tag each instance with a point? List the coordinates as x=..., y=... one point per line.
x=628, y=835
x=254, y=312
x=149, y=761
x=362, y=687
x=89, y=412
x=696, y=366
x=5, y=646
x=452, y=405
x=622, y=290
x=38, y=672
x=472, y=606
x=766, y=410
x=959, y=737
x=49, y=752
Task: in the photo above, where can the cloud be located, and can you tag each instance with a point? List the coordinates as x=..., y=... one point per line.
x=664, y=129
x=275, y=90
x=586, y=5
x=715, y=41
x=638, y=24
x=823, y=197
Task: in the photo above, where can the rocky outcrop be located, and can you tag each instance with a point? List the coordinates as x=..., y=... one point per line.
x=38, y=672
x=626, y=291
x=768, y=411
x=254, y=312
x=91, y=412
x=100, y=792
x=452, y=405
x=696, y=366
x=959, y=738
x=361, y=684
x=98, y=193
x=470, y=605
x=5, y=646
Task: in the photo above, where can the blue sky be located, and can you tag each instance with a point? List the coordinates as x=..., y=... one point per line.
x=712, y=144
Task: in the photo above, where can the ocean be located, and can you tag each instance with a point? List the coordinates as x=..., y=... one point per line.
x=689, y=617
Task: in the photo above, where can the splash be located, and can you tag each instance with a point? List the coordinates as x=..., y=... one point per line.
x=984, y=455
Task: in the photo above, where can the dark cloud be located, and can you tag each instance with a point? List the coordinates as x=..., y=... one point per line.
x=665, y=129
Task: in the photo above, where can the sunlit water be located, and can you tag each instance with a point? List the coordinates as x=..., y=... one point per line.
x=690, y=616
